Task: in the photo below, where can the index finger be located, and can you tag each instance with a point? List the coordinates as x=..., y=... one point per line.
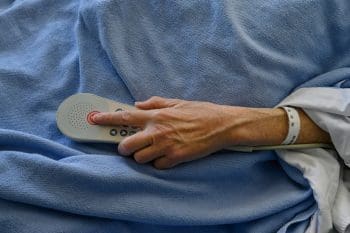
x=130, y=117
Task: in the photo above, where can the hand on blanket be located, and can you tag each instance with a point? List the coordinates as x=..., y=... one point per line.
x=174, y=131
x=177, y=131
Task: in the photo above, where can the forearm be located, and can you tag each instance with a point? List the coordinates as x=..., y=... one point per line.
x=266, y=126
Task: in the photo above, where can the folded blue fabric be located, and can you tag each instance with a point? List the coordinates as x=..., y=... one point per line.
x=248, y=53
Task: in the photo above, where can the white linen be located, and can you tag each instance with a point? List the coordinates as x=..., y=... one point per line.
x=328, y=171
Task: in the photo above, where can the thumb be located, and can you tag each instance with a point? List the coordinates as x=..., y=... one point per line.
x=156, y=102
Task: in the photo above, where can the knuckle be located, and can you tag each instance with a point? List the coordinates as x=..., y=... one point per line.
x=162, y=136
x=171, y=160
x=161, y=115
x=163, y=164
x=157, y=165
x=150, y=135
x=126, y=116
x=155, y=98
x=159, y=130
x=172, y=153
x=157, y=115
x=176, y=154
x=107, y=118
x=139, y=158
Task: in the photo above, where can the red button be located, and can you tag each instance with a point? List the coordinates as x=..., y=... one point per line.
x=90, y=116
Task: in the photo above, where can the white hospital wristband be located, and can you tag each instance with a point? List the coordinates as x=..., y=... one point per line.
x=293, y=126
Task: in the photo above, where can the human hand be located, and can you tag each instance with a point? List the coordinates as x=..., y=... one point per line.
x=174, y=131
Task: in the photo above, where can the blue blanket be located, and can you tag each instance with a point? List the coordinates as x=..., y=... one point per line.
x=249, y=53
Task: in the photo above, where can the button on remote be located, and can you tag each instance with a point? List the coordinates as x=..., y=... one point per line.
x=89, y=117
x=123, y=132
x=113, y=132
x=132, y=133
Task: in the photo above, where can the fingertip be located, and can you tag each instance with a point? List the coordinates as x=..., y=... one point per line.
x=145, y=105
x=122, y=150
x=98, y=117
x=140, y=104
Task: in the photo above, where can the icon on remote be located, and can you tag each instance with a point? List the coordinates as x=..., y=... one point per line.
x=132, y=133
x=113, y=132
x=123, y=132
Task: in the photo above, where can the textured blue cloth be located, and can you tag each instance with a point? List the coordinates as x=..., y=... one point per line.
x=248, y=53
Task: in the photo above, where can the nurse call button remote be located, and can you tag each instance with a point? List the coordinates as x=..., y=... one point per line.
x=75, y=119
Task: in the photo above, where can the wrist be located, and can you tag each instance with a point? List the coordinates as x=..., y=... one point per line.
x=270, y=126
x=261, y=126
x=311, y=132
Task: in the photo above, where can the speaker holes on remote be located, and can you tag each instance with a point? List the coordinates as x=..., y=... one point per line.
x=77, y=115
